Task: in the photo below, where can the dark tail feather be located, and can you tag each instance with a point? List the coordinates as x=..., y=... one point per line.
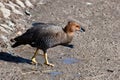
x=16, y=44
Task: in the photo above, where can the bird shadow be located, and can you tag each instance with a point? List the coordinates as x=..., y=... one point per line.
x=12, y=58
x=37, y=23
x=69, y=46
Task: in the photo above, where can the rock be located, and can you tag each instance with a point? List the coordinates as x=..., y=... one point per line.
x=3, y=41
x=88, y=3
x=11, y=3
x=6, y=26
x=19, y=33
x=16, y=11
x=3, y=45
x=108, y=70
x=4, y=38
x=3, y=30
x=10, y=24
x=20, y=3
x=5, y=12
x=28, y=3
x=2, y=5
x=27, y=13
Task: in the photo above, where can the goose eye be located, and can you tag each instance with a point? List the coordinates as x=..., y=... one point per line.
x=77, y=26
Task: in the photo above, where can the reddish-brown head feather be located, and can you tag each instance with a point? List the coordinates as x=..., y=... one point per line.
x=71, y=27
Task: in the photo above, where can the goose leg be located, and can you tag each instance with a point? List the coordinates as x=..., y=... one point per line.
x=46, y=60
x=33, y=58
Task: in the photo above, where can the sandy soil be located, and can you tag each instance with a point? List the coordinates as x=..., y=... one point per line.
x=96, y=52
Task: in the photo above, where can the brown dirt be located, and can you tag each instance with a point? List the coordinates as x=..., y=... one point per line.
x=96, y=53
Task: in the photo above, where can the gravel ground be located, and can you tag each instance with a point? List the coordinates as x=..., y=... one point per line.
x=96, y=52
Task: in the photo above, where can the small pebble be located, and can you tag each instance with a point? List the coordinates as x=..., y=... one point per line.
x=27, y=13
x=108, y=70
x=19, y=33
x=108, y=59
x=88, y=3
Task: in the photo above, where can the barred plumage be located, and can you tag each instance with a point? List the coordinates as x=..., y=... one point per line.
x=45, y=35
